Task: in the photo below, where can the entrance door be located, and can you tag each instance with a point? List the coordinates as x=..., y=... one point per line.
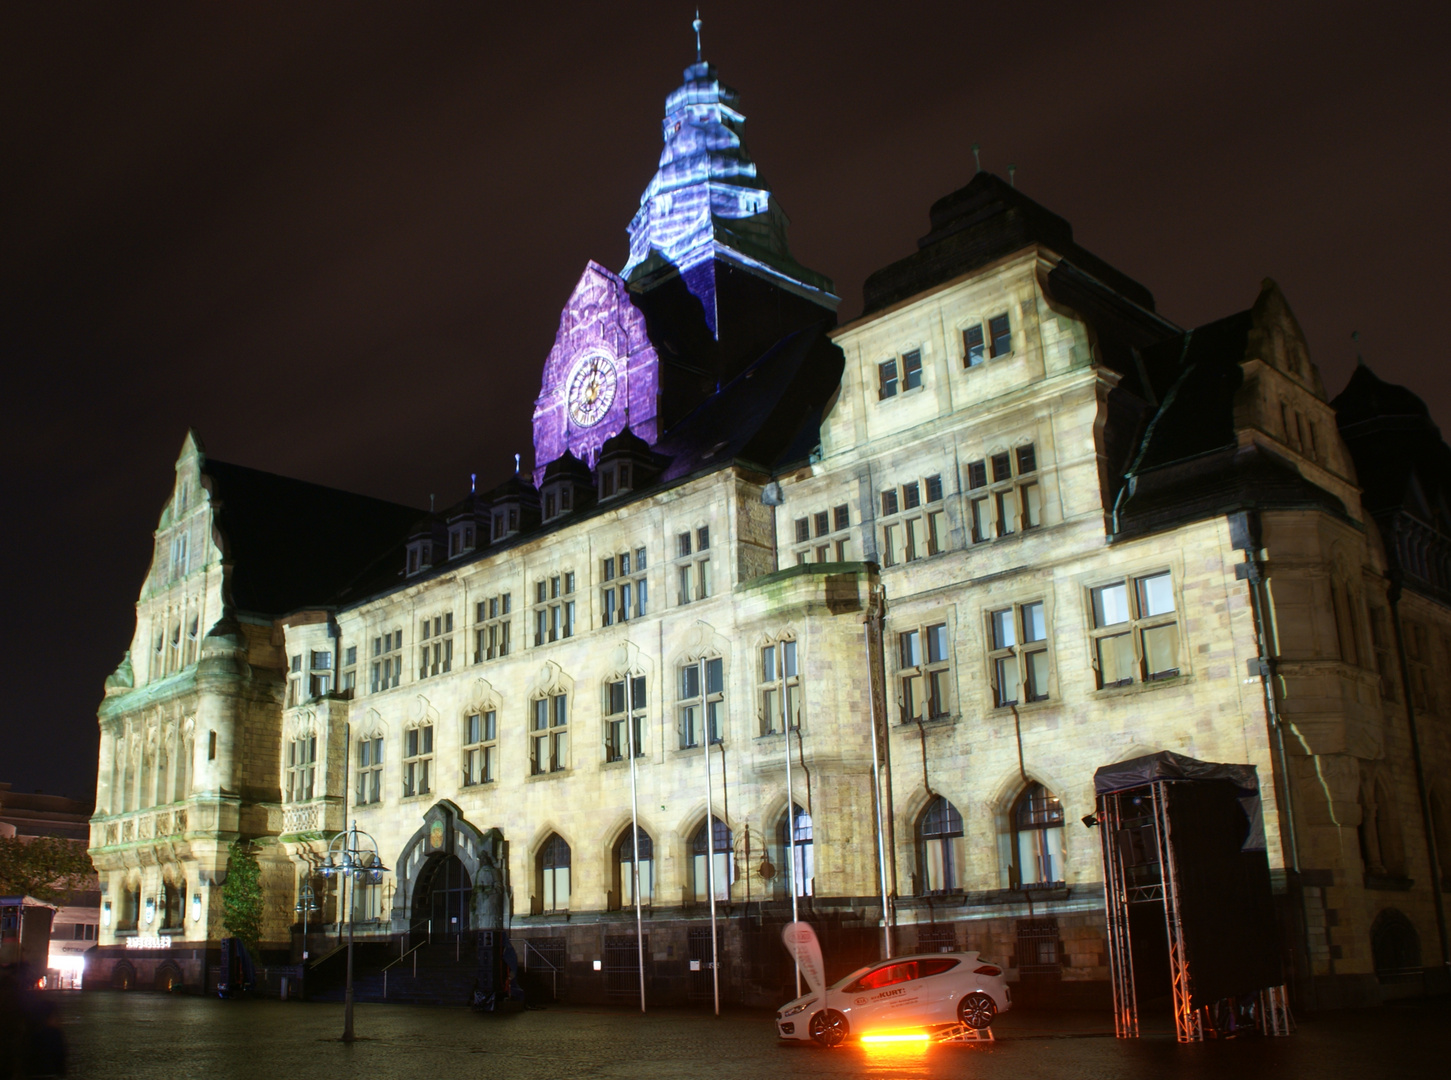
x=443, y=897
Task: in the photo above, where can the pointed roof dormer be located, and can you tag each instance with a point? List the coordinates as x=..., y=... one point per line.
x=706, y=201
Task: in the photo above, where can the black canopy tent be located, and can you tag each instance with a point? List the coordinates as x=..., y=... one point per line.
x=1187, y=890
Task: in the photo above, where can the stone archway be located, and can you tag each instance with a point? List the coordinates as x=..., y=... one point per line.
x=481, y=857
x=443, y=897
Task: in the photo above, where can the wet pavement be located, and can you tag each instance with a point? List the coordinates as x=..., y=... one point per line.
x=136, y=1036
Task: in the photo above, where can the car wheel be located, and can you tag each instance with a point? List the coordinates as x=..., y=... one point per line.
x=829, y=1028
x=977, y=1010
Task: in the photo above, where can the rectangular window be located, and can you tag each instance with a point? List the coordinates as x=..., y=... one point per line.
x=625, y=703
x=417, y=760
x=886, y=380
x=1027, y=459
x=695, y=714
x=480, y=751
x=1018, y=656
x=625, y=594
x=841, y=518
x=693, y=578
x=549, y=735
x=1000, y=334
x=491, y=628
x=803, y=530
x=912, y=369
x=976, y=475
x=1135, y=635
x=822, y=520
x=923, y=679
x=301, y=768
x=388, y=665
x=778, y=671
x=370, y=770
x=889, y=502
x=972, y=346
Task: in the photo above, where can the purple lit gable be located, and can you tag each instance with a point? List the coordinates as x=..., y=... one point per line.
x=600, y=332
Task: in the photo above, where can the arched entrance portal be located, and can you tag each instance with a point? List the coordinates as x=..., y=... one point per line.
x=443, y=897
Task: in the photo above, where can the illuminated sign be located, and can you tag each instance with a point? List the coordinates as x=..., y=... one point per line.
x=146, y=941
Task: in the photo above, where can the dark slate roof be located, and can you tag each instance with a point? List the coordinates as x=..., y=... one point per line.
x=768, y=417
x=1401, y=461
x=978, y=224
x=1189, y=464
x=293, y=544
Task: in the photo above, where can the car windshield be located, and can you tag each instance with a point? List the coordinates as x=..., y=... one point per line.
x=848, y=978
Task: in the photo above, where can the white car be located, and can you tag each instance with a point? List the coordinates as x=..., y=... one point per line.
x=930, y=993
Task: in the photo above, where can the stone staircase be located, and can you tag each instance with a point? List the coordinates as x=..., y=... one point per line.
x=437, y=973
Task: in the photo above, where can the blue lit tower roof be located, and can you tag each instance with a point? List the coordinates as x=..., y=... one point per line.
x=706, y=202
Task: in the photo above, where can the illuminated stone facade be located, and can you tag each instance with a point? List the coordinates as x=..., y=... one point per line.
x=1009, y=523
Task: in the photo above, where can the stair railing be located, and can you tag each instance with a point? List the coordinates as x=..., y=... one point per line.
x=553, y=971
x=413, y=952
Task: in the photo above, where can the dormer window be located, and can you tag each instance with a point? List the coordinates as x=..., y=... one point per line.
x=615, y=479
x=420, y=556
x=558, y=500
x=460, y=540
x=506, y=522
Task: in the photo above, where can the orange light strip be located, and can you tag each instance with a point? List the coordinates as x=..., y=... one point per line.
x=896, y=1037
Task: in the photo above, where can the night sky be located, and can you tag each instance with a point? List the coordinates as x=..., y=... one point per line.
x=335, y=238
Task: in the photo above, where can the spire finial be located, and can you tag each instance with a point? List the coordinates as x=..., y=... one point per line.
x=516, y=464
x=976, y=158
x=1012, y=176
x=1359, y=359
x=696, y=26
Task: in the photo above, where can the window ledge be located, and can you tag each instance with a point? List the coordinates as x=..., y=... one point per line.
x=624, y=762
x=419, y=797
x=695, y=751
x=932, y=723
x=1037, y=705
x=533, y=777
x=1139, y=687
x=477, y=784
x=900, y=394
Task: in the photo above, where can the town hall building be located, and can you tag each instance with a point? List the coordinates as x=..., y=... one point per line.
x=846, y=612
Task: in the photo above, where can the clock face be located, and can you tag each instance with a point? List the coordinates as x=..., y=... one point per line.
x=591, y=389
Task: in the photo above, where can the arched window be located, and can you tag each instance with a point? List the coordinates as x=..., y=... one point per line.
x=725, y=867
x=940, y=847
x=554, y=874
x=626, y=854
x=800, y=850
x=1037, y=837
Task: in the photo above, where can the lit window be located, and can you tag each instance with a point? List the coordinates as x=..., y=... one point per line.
x=301, y=767
x=1037, y=819
x=693, y=566
x=797, y=854
x=631, y=853
x=690, y=705
x=554, y=874
x=924, y=679
x=554, y=608
x=714, y=844
x=778, y=672
x=387, y=660
x=549, y=734
x=1012, y=503
x=626, y=592
x=940, y=851
x=491, y=629
x=913, y=528
x=625, y=701
x=1135, y=634
x=418, y=760
x=886, y=380
x=1018, y=655
x=370, y=769
x=481, y=749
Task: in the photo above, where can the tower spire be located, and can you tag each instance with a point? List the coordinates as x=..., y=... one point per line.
x=696, y=26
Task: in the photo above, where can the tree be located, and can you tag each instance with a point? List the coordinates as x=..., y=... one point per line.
x=242, y=895
x=48, y=868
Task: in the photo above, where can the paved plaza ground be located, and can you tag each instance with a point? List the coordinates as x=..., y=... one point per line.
x=136, y=1036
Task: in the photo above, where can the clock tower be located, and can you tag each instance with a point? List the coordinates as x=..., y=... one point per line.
x=710, y=286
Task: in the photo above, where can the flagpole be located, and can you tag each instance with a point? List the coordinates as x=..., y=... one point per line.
x=635, y=829
x=790, y=800
x=709, y=843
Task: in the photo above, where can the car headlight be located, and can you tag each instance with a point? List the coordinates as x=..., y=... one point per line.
x=797, y=1008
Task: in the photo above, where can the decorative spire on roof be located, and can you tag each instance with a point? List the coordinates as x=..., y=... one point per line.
x=696, y=25
x=705, y=199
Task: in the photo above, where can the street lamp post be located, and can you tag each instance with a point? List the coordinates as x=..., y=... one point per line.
x=306, y=902
x=352, y=854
